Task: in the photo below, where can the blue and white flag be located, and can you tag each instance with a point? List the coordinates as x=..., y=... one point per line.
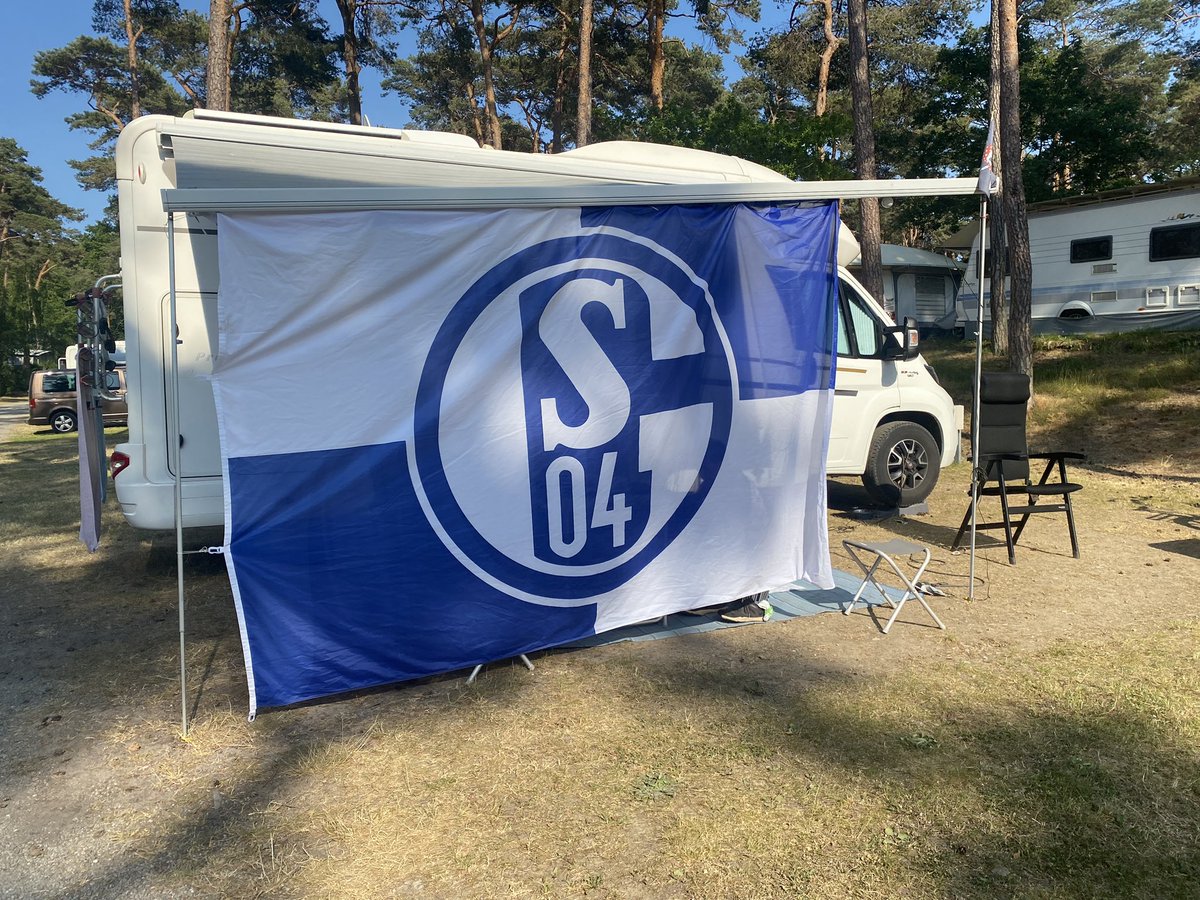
x=453, y=437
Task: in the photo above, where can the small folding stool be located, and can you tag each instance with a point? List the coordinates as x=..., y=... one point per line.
x=883, y=552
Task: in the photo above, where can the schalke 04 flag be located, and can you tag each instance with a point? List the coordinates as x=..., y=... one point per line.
x=454, y=437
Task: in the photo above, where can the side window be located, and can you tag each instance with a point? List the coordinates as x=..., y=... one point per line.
x=843, y=334
x=862, y=324
x=1091, y=249
x=58, y=384
x=1175, y=242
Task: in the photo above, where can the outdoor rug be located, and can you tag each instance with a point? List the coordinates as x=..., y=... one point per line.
x=798, y=599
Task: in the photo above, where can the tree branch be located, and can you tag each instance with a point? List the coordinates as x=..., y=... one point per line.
x=43, y=271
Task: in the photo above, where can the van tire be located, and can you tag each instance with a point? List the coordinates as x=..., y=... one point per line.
x=902, y=465
x=63, y=421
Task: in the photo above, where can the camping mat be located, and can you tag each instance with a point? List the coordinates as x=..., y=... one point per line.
x=797, y=599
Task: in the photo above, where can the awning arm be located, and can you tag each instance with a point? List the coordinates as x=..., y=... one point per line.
x=208, y=200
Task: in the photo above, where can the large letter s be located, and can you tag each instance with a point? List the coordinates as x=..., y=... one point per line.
x=568, y=339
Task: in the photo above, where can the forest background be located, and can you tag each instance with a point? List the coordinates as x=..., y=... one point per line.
x=1110, y=96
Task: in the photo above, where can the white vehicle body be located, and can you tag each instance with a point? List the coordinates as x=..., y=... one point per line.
x=1116, y=261
x=220, y=151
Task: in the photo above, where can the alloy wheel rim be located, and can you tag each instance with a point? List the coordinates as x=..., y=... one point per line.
x=907, y=464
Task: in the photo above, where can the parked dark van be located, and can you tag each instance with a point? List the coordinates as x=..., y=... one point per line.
x=53, y=401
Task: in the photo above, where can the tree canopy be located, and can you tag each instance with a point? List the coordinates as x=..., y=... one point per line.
x=1110, y=93
x=1112, y=87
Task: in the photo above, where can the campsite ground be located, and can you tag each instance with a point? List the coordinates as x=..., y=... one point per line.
x=1047, y=744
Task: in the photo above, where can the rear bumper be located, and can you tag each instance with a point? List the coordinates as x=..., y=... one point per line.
x=151, y=504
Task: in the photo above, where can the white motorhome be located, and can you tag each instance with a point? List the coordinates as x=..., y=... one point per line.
x=1114, y=261
x=893, y=425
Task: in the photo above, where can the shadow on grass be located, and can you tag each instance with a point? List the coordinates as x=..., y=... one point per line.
x=1189, y=547
x=1185, y=520
x=1031, y=795
x=984, y=798
x=1050, y=531
x=89, y=648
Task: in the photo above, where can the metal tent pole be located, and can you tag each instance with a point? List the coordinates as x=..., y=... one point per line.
x=975, y=485
x=173, y=332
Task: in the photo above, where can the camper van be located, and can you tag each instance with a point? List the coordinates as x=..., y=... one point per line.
x=1115, y=261
x=893, y=425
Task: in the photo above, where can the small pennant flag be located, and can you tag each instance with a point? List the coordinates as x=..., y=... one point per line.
x=989, y=182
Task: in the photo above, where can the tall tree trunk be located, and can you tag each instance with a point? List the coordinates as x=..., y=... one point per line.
x=1020, y=343
x=583, y=126
x=656, y=20
x=131, y=39
x=476, y=119
x=349, y=10
x=558, y=107
x=489, y=80
x=219, y=52
x=997, y=304
x=831, y=44
x=864, y=149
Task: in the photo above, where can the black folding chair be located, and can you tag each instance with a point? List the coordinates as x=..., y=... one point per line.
x=1003, y=464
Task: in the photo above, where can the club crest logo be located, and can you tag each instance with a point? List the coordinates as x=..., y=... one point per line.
x=572, y=415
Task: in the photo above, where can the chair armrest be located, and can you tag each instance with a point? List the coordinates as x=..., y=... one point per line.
x=1009, y=456
x=1058, y=454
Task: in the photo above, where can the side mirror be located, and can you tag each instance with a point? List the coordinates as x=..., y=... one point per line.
x=902, y=341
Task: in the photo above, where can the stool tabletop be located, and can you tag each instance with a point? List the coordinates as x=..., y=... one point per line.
x=896, y=546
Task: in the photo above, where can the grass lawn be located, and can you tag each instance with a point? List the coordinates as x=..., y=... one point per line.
x=1046, y=745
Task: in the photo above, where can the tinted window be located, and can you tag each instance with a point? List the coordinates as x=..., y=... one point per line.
x=62, y=383
x=1175, y=242
x=1091, y=249
x=862, y=322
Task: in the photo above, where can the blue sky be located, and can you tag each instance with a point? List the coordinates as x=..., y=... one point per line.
x=39, y=126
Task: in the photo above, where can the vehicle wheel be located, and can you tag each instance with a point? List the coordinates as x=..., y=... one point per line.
x=903, y=464
x=63, y=421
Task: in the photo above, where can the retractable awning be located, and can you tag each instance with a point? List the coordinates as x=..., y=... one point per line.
x=310, y=168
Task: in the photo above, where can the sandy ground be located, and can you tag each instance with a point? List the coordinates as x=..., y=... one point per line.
x=100, y=796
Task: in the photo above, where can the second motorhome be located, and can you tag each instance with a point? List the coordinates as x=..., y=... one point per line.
x=893, y=425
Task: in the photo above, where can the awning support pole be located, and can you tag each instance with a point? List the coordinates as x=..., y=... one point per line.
x=976, y=473
x=173, y=337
